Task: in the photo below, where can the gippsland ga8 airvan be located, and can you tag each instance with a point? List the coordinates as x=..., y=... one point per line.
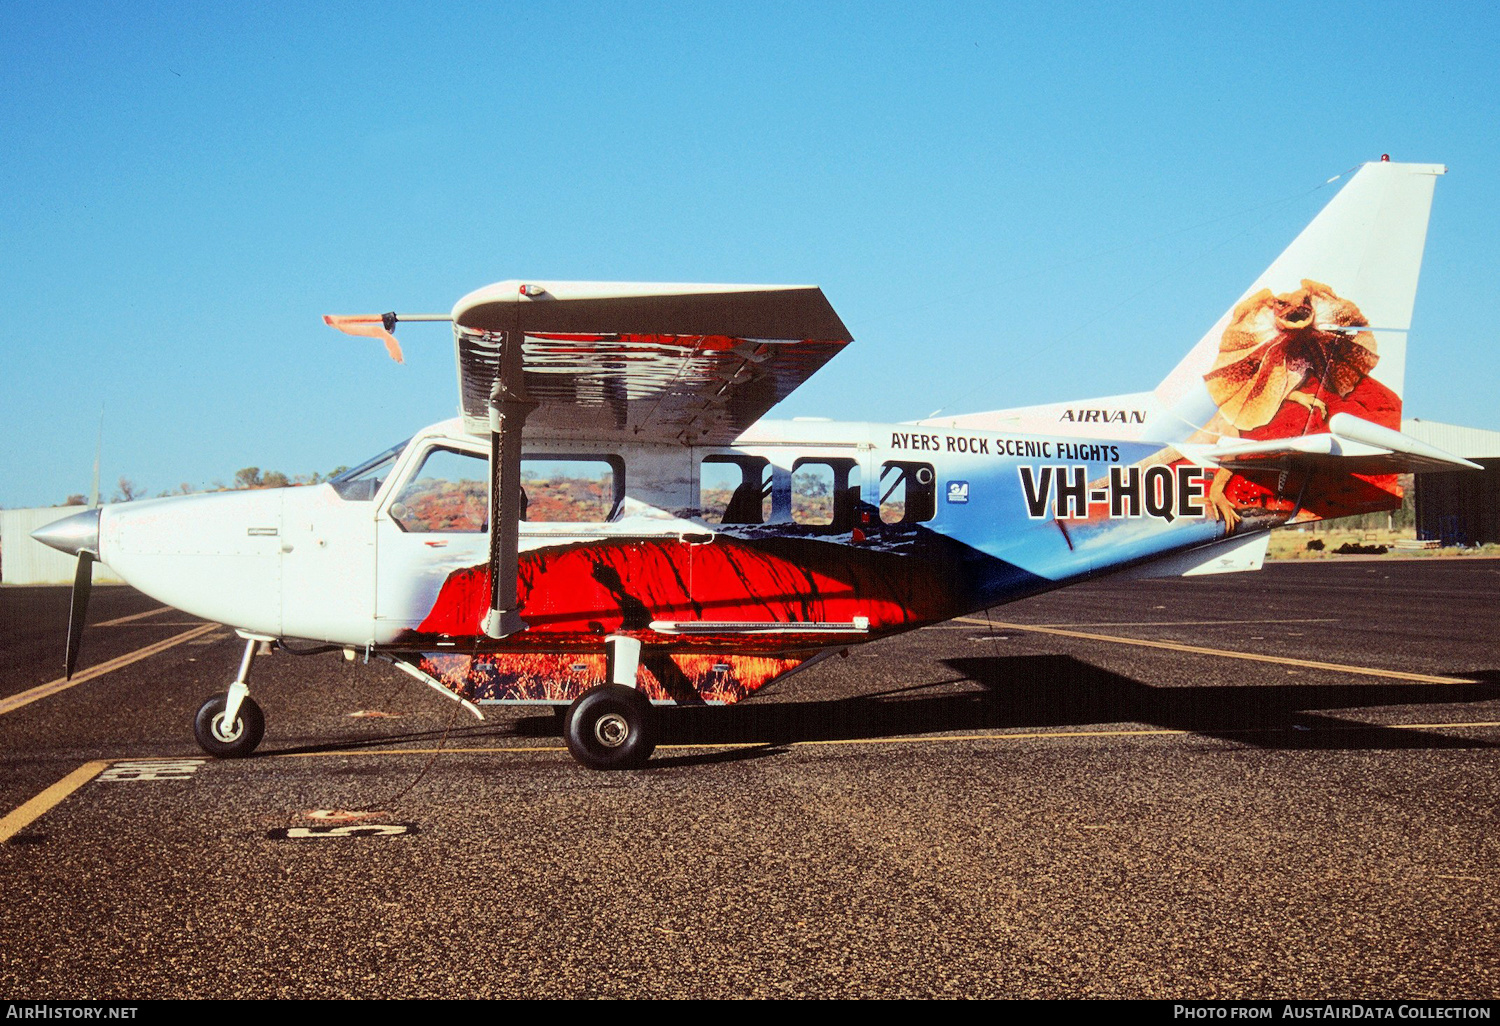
x=612, y=522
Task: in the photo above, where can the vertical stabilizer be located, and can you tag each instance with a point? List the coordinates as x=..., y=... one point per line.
x=1323, y=330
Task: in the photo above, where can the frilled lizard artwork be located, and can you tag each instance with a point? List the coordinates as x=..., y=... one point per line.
x=1279, y=350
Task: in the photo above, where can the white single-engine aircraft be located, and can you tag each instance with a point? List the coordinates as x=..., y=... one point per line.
x=611, y=523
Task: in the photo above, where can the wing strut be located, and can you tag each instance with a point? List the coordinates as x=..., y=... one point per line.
x=508, y=410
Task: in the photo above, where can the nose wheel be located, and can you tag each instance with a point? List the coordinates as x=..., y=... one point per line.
x=609, y=727
x=231, y=725
x=229, y=739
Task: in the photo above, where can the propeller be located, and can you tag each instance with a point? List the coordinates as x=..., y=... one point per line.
x=76, y=535
x=78, y=608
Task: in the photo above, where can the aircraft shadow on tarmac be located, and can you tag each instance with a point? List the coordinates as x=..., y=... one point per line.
x=1058, y=691
x=1030, y=692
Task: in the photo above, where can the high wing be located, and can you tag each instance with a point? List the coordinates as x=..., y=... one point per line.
x=695, y=364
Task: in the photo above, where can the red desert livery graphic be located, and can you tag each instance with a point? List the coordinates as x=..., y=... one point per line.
x=595, y=589
x=562, y=677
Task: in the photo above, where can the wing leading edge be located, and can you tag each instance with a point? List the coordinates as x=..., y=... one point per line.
x=653, y=362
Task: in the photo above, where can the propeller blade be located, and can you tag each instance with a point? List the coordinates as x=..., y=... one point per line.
x=83, y=583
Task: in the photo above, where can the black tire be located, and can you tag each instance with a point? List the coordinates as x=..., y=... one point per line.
x=609, y=727
x=249, y=728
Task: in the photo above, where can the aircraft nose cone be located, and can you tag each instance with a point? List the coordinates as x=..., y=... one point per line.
x=74, y=534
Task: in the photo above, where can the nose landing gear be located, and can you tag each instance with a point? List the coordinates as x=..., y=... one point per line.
x=230, y=725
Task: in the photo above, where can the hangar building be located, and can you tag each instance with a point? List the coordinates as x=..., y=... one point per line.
x=1462, y=507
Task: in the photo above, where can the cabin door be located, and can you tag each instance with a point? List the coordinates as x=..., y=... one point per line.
x=432, y=547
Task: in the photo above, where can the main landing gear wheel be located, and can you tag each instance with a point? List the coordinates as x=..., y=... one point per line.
x=609, y=727
x=229, y=741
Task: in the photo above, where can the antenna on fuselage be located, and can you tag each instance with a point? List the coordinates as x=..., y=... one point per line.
x=98, y=452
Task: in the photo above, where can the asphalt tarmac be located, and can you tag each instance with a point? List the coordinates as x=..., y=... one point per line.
x=1273, y=785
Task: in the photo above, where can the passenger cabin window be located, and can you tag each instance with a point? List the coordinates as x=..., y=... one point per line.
x=908, y=492
x=735, y=489
x=449, y=493
x=571, y=489
x=825, y=493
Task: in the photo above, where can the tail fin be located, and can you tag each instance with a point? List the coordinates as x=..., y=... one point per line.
x=1295, y=394
x=1323, y=329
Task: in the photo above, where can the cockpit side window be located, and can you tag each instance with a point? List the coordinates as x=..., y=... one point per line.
x=361, y=483
x=448, y=493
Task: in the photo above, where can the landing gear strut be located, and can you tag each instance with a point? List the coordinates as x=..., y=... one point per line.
x=609, y=726
x=231, y=725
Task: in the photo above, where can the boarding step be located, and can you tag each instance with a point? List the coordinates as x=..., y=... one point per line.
x=859, y=625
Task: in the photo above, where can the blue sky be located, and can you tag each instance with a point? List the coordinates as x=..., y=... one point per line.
x=1007, y=203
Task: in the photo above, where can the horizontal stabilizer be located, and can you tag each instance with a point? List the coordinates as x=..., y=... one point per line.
x=1351, y=445
x=1230, y=556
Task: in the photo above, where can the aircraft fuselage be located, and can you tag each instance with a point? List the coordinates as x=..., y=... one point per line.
x=803, y=537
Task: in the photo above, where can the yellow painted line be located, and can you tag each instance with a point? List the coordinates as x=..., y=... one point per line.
x=1190, y=623
x=1145, y=623
x=1437, y=726
x=737, y=744
x=1044, y=735
x=1172, y=646
x=159, y=623
x=129, y=760
x=980, y=737
x=41, y=691
x=411, y=751
x=24, y=815
x=133, y=616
